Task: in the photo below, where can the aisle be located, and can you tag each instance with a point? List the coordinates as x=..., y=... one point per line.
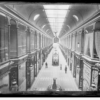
x=46, y=75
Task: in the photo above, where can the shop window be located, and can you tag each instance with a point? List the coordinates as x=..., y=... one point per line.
x=39, y=41
x=97, y=44
x=22, y=75
x=21, y=40
x=4, y=84
x=3, y=38
x=32, y=41
x=13, y=39
x=75, y=41
x=88, y=44
x=88, y=48
x=78, y=42
x=95, y=53
x=71, y=66
x=35, y=40
x=68, y=61
x=71, y=54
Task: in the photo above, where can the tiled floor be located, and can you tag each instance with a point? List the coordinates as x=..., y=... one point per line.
x=46, y=75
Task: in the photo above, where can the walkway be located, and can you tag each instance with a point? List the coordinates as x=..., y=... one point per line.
x=46, y=75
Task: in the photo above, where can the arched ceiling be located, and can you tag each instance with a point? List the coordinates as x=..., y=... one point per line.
x=77, y=14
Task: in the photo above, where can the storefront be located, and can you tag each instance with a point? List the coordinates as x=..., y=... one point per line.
x=22, y=76
x=41, y=59
x=77, y=74
x=81, y=75
x=13, y=77
x=43, y=56
x=72, y=63
x=94, y=80
x=28, y=74
x=37, y=62
x=75, y=64
x=32, y=69
x=69, y=58
x=4, y=83
x=66, y=53
x=96, y=71
x=86, y=76
x=35, y=65
x=77, y=70
x=5, y=79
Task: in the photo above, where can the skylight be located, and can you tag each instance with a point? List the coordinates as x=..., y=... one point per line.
x=75, y=17
x=36, y=16
x=56, y=6
x=56, y=16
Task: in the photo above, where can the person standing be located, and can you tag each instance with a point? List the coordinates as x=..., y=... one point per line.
x=60, y=66
x=46, y=64
x=65, y=69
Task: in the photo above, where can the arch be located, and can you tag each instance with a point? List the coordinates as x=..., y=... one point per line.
x=3, y=20
x=97, y=25
x=13, y=22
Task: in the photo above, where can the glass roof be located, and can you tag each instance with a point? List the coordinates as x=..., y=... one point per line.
x=56, y=16
x=56, y=6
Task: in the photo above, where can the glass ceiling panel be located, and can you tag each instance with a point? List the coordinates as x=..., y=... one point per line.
x=55, y=25
x=56, y=16
x=56, y=6
x=55, y=20
x=56, y=13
